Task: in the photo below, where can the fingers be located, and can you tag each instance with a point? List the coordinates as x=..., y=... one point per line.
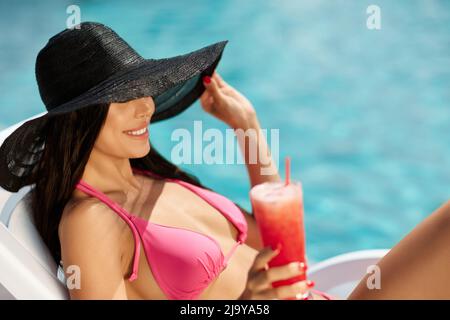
x=220, y=82
x=297, y=289
x=263, y=257
x=263, y=280
x=260, y=278
x=207, y=102
x=205, y=97
x=212, y=87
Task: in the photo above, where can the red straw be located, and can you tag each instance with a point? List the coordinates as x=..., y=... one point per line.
x=288, y=170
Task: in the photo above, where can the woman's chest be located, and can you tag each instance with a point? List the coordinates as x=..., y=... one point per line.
x=173, y=205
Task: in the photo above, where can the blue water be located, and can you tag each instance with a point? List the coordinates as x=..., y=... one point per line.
x=364, y=114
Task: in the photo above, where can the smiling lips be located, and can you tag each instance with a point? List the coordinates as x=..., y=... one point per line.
x=140, y=133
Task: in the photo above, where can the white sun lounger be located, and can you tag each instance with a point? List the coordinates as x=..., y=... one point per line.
x=339, y=275
x=28, y=271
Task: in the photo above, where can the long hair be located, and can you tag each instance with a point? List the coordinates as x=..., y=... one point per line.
x=69, y=142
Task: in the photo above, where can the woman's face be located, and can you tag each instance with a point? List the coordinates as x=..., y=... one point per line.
x=115, y=137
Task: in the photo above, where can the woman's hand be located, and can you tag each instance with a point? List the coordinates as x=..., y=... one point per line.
x=260, y=278
x=226, y=103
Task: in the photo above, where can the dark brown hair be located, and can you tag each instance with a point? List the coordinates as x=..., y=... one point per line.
x=69, y=141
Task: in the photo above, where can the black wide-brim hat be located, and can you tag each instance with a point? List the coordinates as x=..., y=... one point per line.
x=90, y=65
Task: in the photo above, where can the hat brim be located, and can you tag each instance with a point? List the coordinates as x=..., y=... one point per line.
x=20, y=152
x=174, y=83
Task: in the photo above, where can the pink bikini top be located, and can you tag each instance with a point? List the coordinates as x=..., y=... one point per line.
x=183, y=262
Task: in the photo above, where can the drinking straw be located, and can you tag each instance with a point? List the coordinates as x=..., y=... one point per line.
x=288, y=170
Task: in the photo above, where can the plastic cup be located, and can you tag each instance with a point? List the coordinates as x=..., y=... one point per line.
x=278, y=209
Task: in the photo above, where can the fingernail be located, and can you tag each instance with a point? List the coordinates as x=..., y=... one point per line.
x=302, y=266
x=310, y=283
x=207, y=79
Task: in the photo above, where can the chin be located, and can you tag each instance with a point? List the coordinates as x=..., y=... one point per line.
x=142, y=152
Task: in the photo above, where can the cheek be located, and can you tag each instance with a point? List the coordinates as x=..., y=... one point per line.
x=109, y=141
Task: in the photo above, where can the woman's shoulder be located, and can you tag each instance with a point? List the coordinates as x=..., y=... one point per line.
x=87, y=217
x=90, y=241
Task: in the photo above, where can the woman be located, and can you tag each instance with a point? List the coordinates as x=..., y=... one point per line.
x=135, y=225
x=104, y=200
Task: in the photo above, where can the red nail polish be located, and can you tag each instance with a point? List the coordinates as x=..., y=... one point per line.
x=302, y=266
x=279, y=246
x=310, y=283
x=207, y=79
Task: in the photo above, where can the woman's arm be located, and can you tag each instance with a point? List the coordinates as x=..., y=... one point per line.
x=261, y=170
x=225, y=103
x=255, y=171
x=90, y=253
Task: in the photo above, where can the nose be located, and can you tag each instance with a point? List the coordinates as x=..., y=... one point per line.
x=146, y=108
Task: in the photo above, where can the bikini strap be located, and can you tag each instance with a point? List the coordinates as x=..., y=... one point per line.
x=85, y=187
x=228, y=256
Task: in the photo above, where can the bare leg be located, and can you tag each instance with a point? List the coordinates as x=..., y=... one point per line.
x=418, y=267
